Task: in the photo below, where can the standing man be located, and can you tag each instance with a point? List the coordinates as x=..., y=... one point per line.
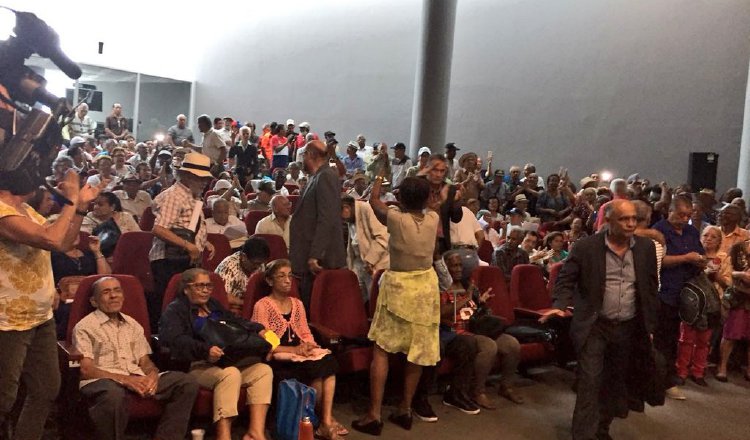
x=212, y=146
x=683, y=260
x=243, y=157
x=400, y=164
x=611, y=281
x=116, y=126
x=729, y=219
x=81, y=124
x=364, y=151
x=450, y=155
x=116, y=364
x=315, y=229
x=179, y=132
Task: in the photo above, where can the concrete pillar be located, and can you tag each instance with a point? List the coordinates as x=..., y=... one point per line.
x=433, y=76
x=743, y=169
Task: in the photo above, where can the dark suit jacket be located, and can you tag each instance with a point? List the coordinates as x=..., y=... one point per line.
x=581, y=284
x=315, y=230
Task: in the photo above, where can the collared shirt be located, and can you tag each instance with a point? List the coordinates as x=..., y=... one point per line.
x=212, y=145
x=136, y=159
x=257, y=205
x=507, y=258
x=732, y=238
x=116, y=345
x=81, y=127
x=235, y=279
x=674, y=277
x=398, y=170
x=116, y=124
x=173, y=207
x=180, y=134
x=246, y=156
x=235, y=230
x=269, y=225
x=353, y=165
x=618, y=302
x=134, y=206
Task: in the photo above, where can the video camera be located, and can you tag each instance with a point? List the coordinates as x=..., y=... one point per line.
x=28, y=134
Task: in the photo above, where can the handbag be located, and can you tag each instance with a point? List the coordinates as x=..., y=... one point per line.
x=242, y=346
x=109, y=234
x=175, y=252
x=295, y=401
x=482, y=322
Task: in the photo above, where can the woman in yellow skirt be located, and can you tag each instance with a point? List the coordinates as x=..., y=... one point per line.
x=408, y=309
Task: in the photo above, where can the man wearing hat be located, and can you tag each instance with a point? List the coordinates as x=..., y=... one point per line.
x=304, y=130
x=316, y=242
x=520, y=205
x=359, y=189
x=496, y=188
x=450, y=154
x=290, y=128
x=380, y=165
x=400, y=164
x=424, y=154
x=179, y=236
x=352, y=162
x=133, y=200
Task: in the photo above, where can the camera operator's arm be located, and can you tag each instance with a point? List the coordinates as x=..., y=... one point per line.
x=60, y=235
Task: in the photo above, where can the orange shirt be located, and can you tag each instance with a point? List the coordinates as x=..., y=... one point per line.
x=265, y=145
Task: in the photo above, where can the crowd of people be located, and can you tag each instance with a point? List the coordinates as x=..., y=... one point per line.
x=627, y=247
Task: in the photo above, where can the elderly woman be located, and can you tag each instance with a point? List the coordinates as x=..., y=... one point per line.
x=737, y=325
x=59, y=167
x=103, y=163
x=407, y=314
x=108, y=206
x=692, y=352
x=298, y=356
x=555, y=243
x=469, y=175
x=180, y=330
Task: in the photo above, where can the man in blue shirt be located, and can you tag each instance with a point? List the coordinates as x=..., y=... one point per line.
x=684, y=259
x=352, y=162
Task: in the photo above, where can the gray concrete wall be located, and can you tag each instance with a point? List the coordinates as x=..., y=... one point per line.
x=623, y=85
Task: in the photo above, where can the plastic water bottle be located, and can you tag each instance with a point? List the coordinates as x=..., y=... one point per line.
x=306, y=429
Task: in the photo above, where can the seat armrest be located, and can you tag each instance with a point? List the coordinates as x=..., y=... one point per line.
x=327, y=336
x=522, y=312
x=69, y=356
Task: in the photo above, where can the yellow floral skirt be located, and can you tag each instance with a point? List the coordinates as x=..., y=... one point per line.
x=407, y=316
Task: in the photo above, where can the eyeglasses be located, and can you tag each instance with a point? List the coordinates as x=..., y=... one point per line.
x=202, y=286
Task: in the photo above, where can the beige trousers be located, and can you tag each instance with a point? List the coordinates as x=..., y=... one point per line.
x=227, y=382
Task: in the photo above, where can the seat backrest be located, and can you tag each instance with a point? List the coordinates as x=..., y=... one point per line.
x=131, y=257
x=501, y=302
x=252, y=218
x=257, y=288
x=336, y=303
x=276, y=244
x=485, y=251
x=146, y=223
x=222, y=249
x=554, y=271
x=528, y=287
x=294, y=199
x=219, y=293
x=134, y=304
x=374, y=292
x=291, y=187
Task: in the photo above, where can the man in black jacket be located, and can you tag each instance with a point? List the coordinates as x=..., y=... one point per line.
x=610, y=279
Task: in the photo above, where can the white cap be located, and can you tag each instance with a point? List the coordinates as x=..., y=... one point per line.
x=77, y=140
x=290, y=122
x=424, y=150
x=304, y=125
x=222, y=184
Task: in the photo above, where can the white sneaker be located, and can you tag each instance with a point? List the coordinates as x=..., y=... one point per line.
x=675, y=393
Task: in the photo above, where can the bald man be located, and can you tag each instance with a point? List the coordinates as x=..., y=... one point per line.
x=315, y=233
x=610, y=279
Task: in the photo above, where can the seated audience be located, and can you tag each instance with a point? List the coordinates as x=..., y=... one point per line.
x=266, y=190
x=298, y=356
x=132, y=198
x=278, y=222
x=225, y=223
x=103, y=164
x=107, y=206
x=553, y=205
x=180, y=331
x=554, y=242
x=510, y=253
x=530, y=244
x=237, y=268
x=116, y=364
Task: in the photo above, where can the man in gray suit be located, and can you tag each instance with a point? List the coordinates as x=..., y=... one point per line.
x=610, y=279
x=315, y=233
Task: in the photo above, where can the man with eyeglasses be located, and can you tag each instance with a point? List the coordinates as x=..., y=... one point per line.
x=237, y=268
x=116, y=364
x=683, y=260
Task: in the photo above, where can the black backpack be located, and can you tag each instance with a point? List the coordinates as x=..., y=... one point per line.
x=699, y=303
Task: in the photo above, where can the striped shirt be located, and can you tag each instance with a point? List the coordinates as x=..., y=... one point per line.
x=173, y=207
x=115, y=345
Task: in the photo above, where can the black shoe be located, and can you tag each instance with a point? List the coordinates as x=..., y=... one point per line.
x=403, y=420
x=699, y=380
x=460, y=403
x=422, y=409
x=721, y=378
x=374, y=427
x=679, y=381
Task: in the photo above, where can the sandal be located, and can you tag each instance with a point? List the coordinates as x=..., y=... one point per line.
x=340, y=429
x=329, y=433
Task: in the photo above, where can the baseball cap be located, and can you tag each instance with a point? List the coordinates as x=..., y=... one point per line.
x=290, y=122
x=424, y=150
x=520, y=198
x=77, y=140
x=399, y=146
x=329, y=133
x=451, y=145
x=304, y=125
x=633, y=178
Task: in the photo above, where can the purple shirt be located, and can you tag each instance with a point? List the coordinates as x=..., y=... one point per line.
x=674, y=277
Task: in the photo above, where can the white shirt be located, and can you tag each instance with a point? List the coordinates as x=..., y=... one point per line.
x=212, y=145
x=134, y=206
x=462, y=233
x=269, y=225
x=96, y=179
x=237, y=236
x=136, y=159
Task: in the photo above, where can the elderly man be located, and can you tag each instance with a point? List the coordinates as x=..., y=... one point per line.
x=223, y=222
x=212, y=144
x=179, y=132
x=179, y=228
x=81, y=124
x=116, y=364
x=400, y=164
x=729, y=218
x=237, y=268
x=278, y=222
x=497, y=188
x=134, y=200
x=423, y=154
x=513, y=179
x=141, y=154
x=352, y=162
x=266, y=190
x=610, y=278
x=316, y=241
x=360, y=184
x=367, y=243
x=530, y=169
x=116, y=126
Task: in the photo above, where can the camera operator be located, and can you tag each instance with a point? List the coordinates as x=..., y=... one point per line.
x=27, y=295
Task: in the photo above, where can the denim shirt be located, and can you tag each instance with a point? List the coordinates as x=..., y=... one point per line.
x=674, y=277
